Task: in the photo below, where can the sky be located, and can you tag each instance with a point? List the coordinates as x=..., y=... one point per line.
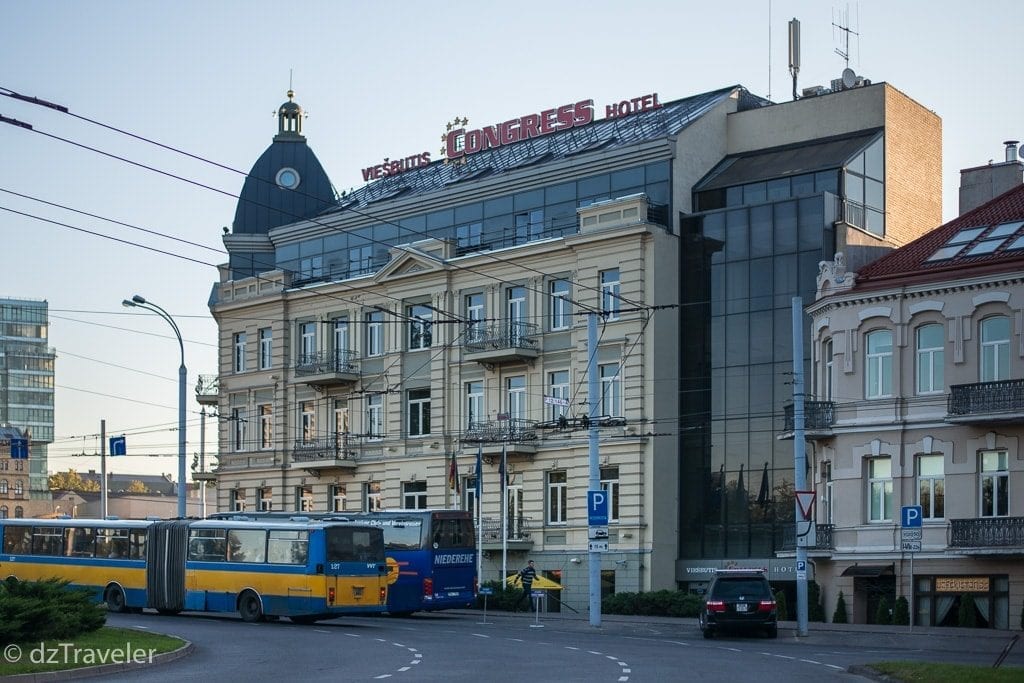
x=377, y=80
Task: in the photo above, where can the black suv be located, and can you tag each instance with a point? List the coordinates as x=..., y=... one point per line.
x=739, y=599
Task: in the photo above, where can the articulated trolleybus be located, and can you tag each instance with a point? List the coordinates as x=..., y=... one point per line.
x=305, y=570
x=431, y=554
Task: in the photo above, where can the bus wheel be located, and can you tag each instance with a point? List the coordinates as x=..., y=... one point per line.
x=115, y=599
x=249, y=607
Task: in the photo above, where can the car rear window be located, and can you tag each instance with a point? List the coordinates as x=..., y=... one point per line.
x=736, y=587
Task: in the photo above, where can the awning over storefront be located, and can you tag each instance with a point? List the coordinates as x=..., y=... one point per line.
x=869, y=570
x=539, y=584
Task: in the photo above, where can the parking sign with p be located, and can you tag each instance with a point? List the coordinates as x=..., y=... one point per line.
x=597, y=508
x=910, y=516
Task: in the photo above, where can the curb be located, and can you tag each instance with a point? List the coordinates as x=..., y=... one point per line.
x=102, y=669
x=872, y=673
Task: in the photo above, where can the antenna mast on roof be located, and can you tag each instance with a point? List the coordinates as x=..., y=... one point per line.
x=845, y=29
x=794, y=51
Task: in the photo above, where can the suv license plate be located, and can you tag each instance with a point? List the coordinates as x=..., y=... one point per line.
x=742, y=607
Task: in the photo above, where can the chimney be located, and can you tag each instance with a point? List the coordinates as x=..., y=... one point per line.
x=1011, y=150
x=982, y=183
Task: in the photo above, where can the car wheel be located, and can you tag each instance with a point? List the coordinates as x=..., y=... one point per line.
x=250, y=608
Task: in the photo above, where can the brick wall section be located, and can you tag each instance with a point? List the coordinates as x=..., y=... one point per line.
x=913, y=160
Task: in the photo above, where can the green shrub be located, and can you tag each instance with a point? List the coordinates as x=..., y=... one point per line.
x=967, y=616
x=663, y=603
x=781, y=609
x=901, y=613
x=815, y=610
x=41, y=610
x=883, y=615
x=839, y=616
x=1022, y=617
x=504, y=597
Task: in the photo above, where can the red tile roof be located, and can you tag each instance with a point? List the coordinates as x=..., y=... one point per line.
x=909, y=264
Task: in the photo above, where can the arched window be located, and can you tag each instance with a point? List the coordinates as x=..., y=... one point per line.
x=878, y=364
x=3, y=487
x=930, y=359
x=19, y=512
x=3, y=512
x=995, y=348
x=19, y=488
x=828, y=374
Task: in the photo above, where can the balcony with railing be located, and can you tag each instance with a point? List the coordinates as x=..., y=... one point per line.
x=208, y=390
x=501, y=342
x=823, y=537
x=516, y=437
x=987, y=535
x=327, y=368
x=986, y=402
x=334, y=451
x=518, y=533
x=819, y=417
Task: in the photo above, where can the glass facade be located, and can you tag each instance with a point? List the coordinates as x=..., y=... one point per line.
x=740, y=269
x=499, y=222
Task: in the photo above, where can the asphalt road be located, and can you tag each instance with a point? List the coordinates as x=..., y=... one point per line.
x=456, y=646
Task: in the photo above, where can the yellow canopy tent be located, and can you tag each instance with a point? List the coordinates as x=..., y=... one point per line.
x=539, y=583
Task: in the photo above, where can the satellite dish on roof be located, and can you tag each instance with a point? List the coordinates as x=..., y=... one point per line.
x=849, y=78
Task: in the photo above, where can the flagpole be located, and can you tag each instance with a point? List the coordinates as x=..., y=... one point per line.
x=479, y=513
x=504, y=515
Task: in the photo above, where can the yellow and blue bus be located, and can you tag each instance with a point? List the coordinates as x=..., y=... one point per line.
x=431, y=554
x=305, y=570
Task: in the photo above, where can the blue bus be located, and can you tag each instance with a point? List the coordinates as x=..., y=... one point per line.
x=305, y=570
x=431, y=554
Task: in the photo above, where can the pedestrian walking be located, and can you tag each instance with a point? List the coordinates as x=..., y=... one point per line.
x=525, y=576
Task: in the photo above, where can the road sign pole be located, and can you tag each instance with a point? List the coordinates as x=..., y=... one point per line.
x=593, y=403
x=911, y=592
x=799, y=455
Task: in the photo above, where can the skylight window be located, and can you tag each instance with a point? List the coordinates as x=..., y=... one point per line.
x=985, y=247
x=1005, y=229
x=965, y=236
x=1016, y=244
x=944, y=253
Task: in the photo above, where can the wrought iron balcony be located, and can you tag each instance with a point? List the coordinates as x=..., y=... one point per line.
x=819, y=417
x=331, y=451
x=988, y=532
x=518, y=534
x=981, y=402
x=822, y=533
x=516, y=437
x=327, y=367
x=501, y=342
x=208, y=389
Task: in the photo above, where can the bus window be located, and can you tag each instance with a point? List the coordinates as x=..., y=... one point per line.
x=454, y=533
x=47, y=540
x=247, y=545
x=288, y=547
x=138, y=543
x=368, y=546
x=207, y=545
x=17, y=540
x=339, y=545
x=80, y=542
x=117, y=545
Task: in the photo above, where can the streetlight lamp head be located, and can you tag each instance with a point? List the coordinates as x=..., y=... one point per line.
x=128, y=303
x=139, y=299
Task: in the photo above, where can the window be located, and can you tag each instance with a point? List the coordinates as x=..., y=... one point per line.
x=610, y=288
x=3, y=486
x=880, y=489
x=995, y=349
x=419, y=412
x=341, y=343
x=529, y=225
x=931, y=486
x=311, y=267
x=930, y=359
x=341, y=426
x=515, y=389
x=360, y=260
x=468, y=235
x=828, y=504
x=559, y=303
x=247, y=545
x=266, y=348
x=474, y=304
x=995, y=484
x=240, y=352
x=469, y=494
x=414, y=495
x=19, y=512
x=287, y=546
x=611, y=390
x=19, y=488
x=829, y=361
x=558, y=495
x=878, y=366
x=375, y=416
x=558, y=387
x=307, y=342
x=307, y=421
x=266, y=412
x=4, y=512
x=372, y=499
x=265, y=497
x=515, y=308
x=338, y=497
x=239, y=422
x=304, y=498
x=374, y=333
x=610, y=485
x=474, y=403
x=420, y=332
x=238, y=500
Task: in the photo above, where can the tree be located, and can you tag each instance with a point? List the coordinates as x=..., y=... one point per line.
x=815, y=610
x=781, y=609
x=72, y=481
x=901, y=613
x=136, y=486
x=882, y=614
x=839, y=617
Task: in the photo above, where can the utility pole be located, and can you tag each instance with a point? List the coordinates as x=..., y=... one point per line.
x=103, y=469
x=593, y=396
x=201, y=482
x=799, y=460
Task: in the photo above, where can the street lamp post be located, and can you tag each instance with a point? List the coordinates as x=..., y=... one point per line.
x=138, y=301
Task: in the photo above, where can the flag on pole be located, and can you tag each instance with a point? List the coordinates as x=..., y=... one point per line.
x=453, y=475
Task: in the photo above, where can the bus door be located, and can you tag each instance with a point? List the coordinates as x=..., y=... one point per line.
x=165, y=565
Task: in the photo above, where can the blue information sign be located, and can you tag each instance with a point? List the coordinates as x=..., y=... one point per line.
x=910, y=516
x=118, y=446
x=597, y=508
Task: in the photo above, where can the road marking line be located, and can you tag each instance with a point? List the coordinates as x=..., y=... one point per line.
x=480, y=635
x=623, y=678
x=404, y=668
x=320, y=630
x=417, y=655
x=833, y=666
x=595, y=653
x=353, y=635
x=627, y=671
x=810, y=661
x=383, y=676
x=612, y=657
x=570, y=647
x=783, y=656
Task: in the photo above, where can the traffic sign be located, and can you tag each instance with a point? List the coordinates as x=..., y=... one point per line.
x=806, y=534
x=598, y=546
x=556, y=401
x=596, y=533
x=118, y=445
x=911, y=534
x=486, y=590
x=805, y=499
x=911, y=546
x=597, y=508
x=910, y=516
x=801, y=570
